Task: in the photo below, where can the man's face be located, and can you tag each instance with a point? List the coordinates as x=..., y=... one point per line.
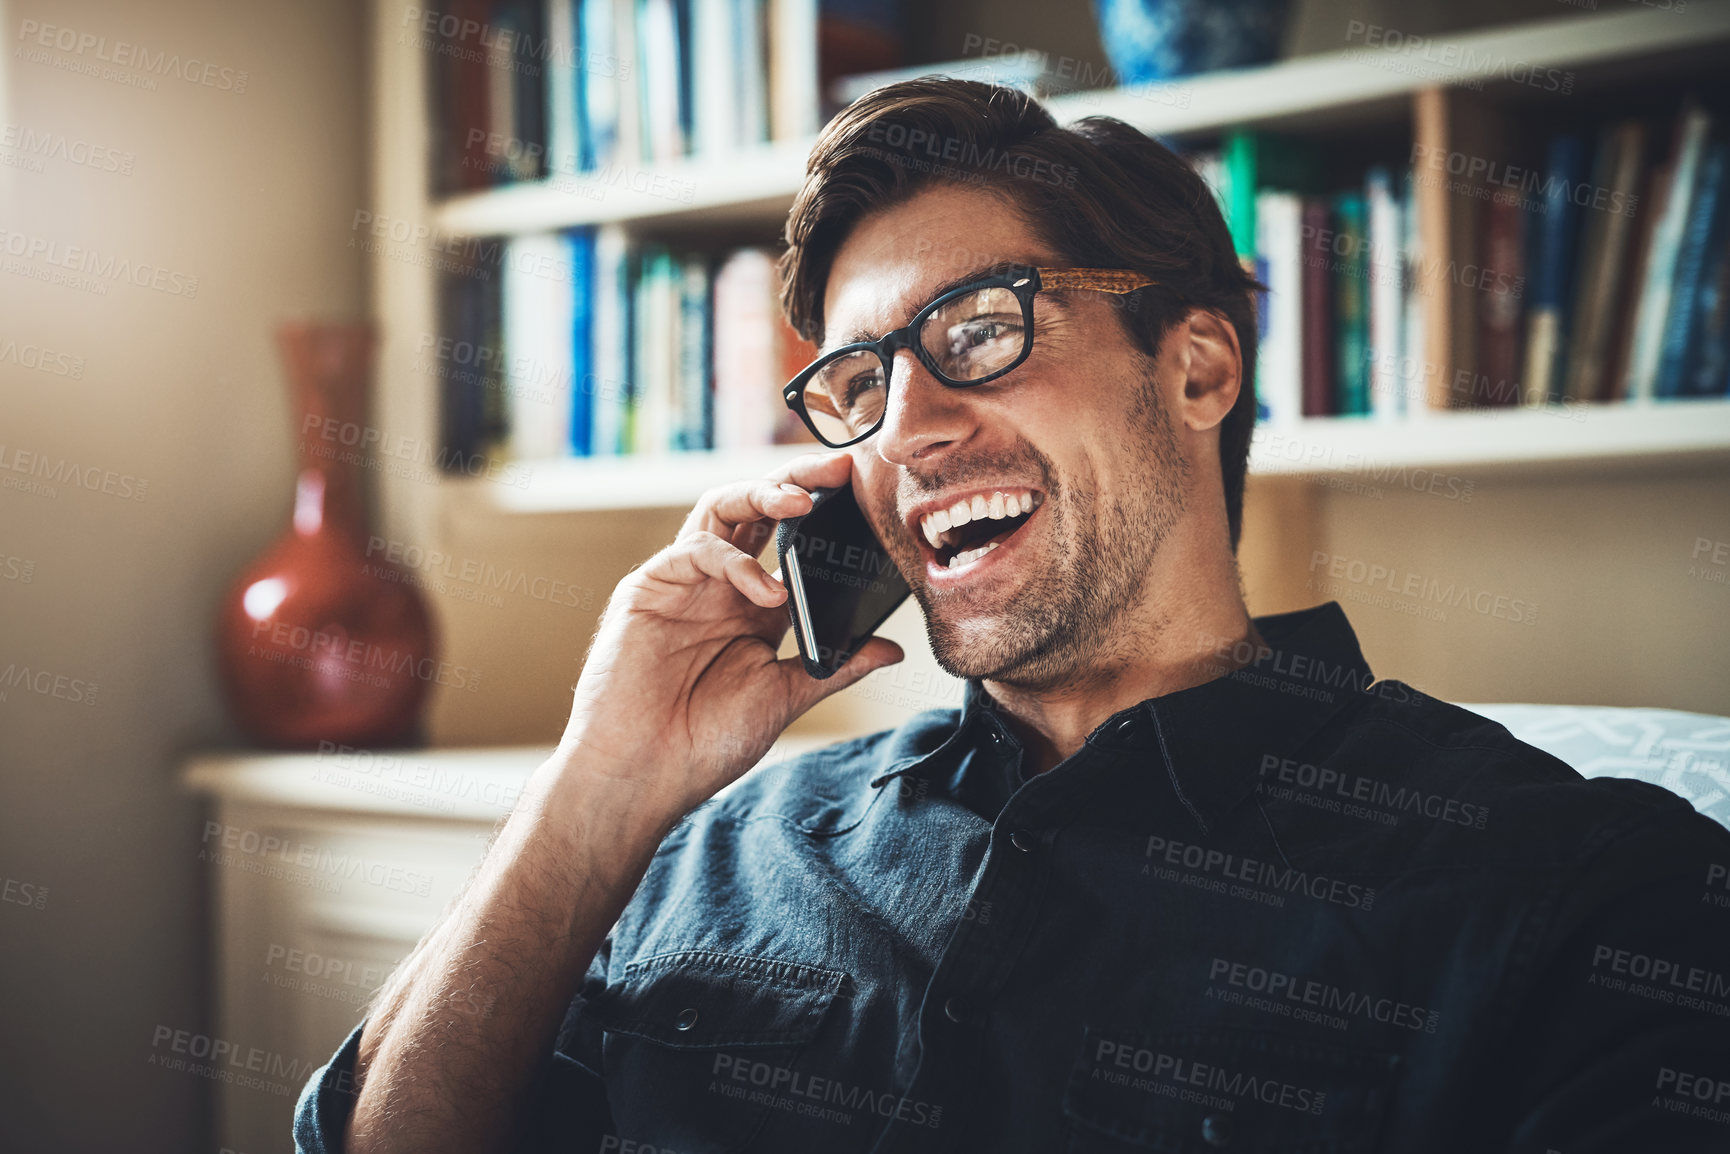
x=1078, y=429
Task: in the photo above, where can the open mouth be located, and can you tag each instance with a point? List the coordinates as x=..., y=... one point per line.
x=974, y=526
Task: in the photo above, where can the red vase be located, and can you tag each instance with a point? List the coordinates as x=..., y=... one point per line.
x=318, y=642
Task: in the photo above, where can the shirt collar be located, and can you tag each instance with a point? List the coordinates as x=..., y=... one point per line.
x=1210, y=739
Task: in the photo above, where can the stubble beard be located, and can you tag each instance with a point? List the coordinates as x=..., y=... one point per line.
x=1066, y=619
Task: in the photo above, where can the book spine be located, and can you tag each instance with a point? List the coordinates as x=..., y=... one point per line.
x=1279, y=376
x=1660, y=274
x=582, y=245
x=1318, y=297
x=1498, y=375
x=1387, y=307
x=1550, y=271
x=1681, y=330
x=1351, y=303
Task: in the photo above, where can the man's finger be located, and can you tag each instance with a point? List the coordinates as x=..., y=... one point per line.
x=703, y=557
x=782, y=494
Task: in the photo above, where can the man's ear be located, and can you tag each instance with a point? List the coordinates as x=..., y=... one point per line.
x=1215, y=369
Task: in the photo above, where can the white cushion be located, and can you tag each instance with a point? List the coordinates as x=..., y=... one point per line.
x=1686, y=753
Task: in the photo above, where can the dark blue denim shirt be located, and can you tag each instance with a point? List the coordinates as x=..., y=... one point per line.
x=1290, y=909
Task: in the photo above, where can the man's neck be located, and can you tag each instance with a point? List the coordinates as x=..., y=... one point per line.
x=1165, y=651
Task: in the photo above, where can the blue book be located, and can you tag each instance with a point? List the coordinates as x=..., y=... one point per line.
x=1552, y=270
x=1351, y=280
x=1679, y=353
x=599, y=84
x=583, y=391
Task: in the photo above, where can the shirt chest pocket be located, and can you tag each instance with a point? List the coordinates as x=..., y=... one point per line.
x=1214, y=1090
x=697, y=1046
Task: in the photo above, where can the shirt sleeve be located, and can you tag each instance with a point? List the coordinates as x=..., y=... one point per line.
x=1622, y=1041
x=321, y=1116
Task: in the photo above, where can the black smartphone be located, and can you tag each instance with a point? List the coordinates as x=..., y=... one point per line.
x=841, y=582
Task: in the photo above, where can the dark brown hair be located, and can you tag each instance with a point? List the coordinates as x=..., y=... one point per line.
x=1100, y=193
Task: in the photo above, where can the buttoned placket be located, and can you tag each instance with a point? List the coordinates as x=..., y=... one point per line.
x=982, y=952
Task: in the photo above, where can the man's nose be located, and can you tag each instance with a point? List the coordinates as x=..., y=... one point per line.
x=924, y=416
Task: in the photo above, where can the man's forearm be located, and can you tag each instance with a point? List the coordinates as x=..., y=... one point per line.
x=447, y=1058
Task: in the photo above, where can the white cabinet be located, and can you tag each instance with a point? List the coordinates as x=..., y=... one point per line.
x=324, y=871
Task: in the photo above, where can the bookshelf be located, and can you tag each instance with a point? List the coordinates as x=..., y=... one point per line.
x=1367, y=91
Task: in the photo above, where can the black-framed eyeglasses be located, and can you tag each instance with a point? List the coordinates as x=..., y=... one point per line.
x=965, y=337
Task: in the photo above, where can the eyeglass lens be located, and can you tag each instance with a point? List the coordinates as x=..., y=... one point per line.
x=967, y=338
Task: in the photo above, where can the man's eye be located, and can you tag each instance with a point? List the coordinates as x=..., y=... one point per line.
x=983, y=331
x=859, y=386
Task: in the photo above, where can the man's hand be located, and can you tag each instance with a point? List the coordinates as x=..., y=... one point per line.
x=682, y=692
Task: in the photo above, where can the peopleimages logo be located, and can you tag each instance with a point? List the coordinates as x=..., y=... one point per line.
x=1306, y=998
x=1117, y=1063
x=1232, y=867
x=827, y=1099
x=1334, y=784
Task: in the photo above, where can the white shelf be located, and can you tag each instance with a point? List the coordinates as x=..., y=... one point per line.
x=759, y=183
x=1523, y=440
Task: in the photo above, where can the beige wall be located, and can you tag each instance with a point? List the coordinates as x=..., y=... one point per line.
x=252, y=193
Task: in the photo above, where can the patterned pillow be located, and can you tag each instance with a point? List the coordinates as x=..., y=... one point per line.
x=1686, y=753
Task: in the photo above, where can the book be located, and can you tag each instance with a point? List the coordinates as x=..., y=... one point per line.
x=1351, y=303
x=715, y=54
x=612, y=345
x=1603, y=252
x=747, y=397
x=660, y=126
x=1411, y=370
x=696, y=407
x=793, y=81
x=582, y=337
x=750, y=98
x=1279, y=361
x=1386, y=298
x=1709, y=374
x=1318, y=343
x=1655, y=191
x=564, y=151
x=1653, y=307
x=1550, y=272
x=1679, y=351
x=538, y=293
x=1496, y=379
x=461, y=116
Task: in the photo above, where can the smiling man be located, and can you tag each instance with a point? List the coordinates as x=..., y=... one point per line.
x=1171, y=879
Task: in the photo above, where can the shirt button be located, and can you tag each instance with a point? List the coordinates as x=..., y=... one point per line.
x=686, y=1019
x=1216, y=1130
x=954, y=1011
x=1022, y=840
x=1125, y=725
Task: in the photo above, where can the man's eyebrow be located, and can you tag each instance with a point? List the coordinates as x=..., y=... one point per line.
x=950, y=285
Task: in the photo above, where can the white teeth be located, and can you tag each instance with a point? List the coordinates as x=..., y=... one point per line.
x=977, y=508
x=968, y=556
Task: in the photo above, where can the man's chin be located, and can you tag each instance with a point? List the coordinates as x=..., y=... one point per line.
x=991, y=647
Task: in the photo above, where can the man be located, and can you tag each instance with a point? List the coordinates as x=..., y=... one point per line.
x=1173, y=879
